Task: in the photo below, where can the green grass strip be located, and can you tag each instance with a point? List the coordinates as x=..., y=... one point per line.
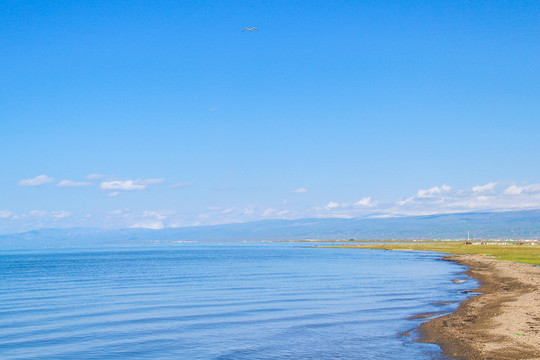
x=527, y=254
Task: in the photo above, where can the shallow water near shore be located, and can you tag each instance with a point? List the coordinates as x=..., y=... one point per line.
x=222, y=301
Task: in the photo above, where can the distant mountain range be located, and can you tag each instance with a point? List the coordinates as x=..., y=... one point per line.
x=510, y=224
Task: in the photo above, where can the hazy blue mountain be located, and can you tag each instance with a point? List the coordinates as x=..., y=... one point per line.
x=512, y=224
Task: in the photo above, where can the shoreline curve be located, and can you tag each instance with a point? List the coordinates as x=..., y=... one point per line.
x=502, y=322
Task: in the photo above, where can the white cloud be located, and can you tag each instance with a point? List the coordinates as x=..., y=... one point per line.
x=125, y=185
x=487, y=197
x=38, y=213
x=299, y=191
x=151, y=219
x=425, y=195
x=332, y=205
x=5, y=214
x=52, y=214
x=440, y=199
x=513, y=190
x=269, y=212
x=431, y=192
x=484, y=188
x=128, y=185
x=155, y=225
x=532, y=189
x=60, y=214
x=344, y=210
x=434, y=197
x=38, y=180
x=159, y=215
x=518, y=190
x=70, y=183
x=407, y=200
x=365, y=202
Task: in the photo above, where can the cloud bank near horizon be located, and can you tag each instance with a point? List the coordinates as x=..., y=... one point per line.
x=443, y=199
x=439, y=199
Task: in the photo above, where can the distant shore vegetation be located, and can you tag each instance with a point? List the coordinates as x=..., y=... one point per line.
x=527, y=252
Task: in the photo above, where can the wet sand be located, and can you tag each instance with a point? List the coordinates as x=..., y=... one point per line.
x=501, y=323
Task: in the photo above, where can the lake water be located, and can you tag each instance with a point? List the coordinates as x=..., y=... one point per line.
x=221, y=301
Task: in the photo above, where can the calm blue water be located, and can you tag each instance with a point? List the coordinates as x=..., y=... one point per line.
x=221, y=301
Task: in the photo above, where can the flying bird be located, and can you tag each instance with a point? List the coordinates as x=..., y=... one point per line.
x=253, y=28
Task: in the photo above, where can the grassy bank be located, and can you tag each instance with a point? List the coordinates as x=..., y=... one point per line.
x=527, y=254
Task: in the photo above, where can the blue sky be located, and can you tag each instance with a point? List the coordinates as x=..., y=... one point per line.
x=122, y=114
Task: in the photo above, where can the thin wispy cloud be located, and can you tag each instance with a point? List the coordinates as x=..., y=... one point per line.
x=39, y=218
x=6, y=214
x=513, y=190
x=37, y=181
x=60, y=214
x=71, y=183
x=518, y=190
x=344, y=209
x=484, y=188
x=152, y=224
x=332, y=205
x=38, y=213
x=150, y=181
x=148, y=219
x=95, y=177
x=217, y=215
x=51, y=214
x=180, y=185
x=433, y=192
x=159, y=215
x=367, y=202
x=274, y=212
x=299, y=191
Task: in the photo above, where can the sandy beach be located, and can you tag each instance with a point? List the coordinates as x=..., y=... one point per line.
x=503, y=322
